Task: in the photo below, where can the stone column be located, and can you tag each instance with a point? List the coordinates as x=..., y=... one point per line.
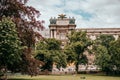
x=54, y=33
x=51, y=34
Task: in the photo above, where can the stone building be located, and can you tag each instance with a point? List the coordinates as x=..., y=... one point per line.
x=94, y=32
x=61, y=26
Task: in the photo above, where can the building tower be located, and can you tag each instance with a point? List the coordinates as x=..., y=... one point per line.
x=60, y=27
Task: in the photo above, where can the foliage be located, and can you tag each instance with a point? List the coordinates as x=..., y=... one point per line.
x=107, y=51
x=78, y=43
x=105, y=40
x=25, y=18
x=49, y=51
x=71, y=56
x=9, y=45
x=115, y=55
x=103, y=59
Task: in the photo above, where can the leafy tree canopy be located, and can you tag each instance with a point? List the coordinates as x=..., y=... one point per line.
x=50, y=52
x=115, y=55
x=25, y=19
x=105, y=40
x=107, y=51
x=78, y=43
x=10, y=43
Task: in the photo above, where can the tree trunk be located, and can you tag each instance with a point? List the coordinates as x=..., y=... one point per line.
x=77, y=67
x=77, y=64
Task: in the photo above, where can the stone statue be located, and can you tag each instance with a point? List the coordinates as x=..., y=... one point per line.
x=62, y=16
x=52, y=21
x=72, y=21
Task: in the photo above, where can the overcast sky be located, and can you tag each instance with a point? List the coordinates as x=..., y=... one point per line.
x=88, y=13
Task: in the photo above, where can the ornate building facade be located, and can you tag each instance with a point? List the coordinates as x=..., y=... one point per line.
x=61, y=26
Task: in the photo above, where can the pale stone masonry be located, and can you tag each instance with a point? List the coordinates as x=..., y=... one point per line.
x=94, y=32
x=61, y=26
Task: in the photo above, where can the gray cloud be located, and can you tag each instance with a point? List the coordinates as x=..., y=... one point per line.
x=106, y=13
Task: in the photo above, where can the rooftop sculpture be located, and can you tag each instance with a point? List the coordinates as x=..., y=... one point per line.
x=62, y=16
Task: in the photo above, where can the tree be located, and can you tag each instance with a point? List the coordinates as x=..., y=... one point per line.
x=25, y=18
x=49, y=51
x=103, y=59
x=9, y=45
x=115, y=55
x=107, y=51
x=71, y=56
x=78, y=43
x=105, y=40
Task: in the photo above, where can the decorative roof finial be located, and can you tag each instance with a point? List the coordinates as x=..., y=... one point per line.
x=62, y=16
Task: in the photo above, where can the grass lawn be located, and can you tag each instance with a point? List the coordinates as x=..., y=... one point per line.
x=64, y=77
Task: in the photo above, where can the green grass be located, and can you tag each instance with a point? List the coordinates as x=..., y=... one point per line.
x=64, y=77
